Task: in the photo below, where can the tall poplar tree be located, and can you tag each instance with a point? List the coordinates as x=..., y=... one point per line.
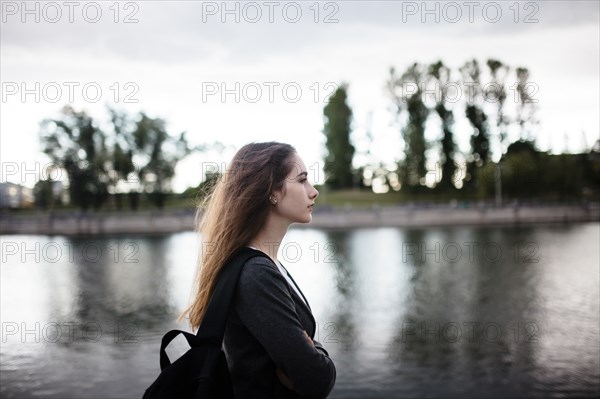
x=480, y=142
x=499, y=73
x=340, y=151
x=441, y=74
x=406, y=91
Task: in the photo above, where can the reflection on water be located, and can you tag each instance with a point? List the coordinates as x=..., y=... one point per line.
x=439, y=312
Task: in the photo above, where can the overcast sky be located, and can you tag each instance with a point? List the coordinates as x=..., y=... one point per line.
x=172, y=60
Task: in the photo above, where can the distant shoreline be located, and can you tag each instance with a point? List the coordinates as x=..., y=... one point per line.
x=172, y=221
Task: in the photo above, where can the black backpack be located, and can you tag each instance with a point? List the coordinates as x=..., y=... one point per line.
x=202, y=372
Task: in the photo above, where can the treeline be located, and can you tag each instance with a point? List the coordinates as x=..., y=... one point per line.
x=495, y=99
x=132, y=159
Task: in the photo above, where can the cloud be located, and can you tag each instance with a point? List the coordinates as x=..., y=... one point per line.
x=195, y=31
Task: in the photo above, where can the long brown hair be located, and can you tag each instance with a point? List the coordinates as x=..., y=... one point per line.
x=234, y=211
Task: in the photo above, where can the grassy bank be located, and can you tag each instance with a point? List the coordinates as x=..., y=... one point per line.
x=327, y=199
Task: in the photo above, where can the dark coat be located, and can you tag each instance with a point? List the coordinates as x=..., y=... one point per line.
x=265, y=331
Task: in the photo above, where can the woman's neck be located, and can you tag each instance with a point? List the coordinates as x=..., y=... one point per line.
x=269, y=238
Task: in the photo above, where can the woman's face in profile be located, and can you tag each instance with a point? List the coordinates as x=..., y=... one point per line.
x=300, y=194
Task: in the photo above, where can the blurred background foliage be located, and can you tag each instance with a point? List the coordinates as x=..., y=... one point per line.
x=130, y=164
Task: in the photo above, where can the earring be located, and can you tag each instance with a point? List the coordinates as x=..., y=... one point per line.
x=273, y=200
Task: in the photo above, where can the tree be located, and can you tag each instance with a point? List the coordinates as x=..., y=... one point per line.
x=158, y=155
x=441, y=74
x=123, y=148
x=43, y=194
x=480, y=142
x=499, y=73
x=74, y=143
x=526, y=103
x=406, y=91
x=340, y=151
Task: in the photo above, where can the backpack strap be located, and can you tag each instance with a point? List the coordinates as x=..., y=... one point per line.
x=212, y=328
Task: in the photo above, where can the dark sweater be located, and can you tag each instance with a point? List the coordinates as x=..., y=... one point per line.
x=265, y=331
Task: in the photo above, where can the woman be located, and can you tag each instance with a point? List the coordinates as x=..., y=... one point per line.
x=268, y=339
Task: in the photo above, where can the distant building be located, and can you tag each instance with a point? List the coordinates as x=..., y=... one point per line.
x=15, y=196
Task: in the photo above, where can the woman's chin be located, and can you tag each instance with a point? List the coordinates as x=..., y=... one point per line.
x=305, y=219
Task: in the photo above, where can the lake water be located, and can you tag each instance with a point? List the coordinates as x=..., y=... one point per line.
x=404, y=313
